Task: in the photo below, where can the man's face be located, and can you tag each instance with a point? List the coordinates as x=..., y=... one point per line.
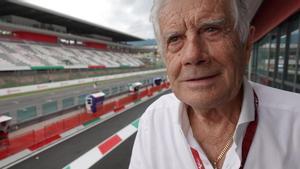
x=204, y=57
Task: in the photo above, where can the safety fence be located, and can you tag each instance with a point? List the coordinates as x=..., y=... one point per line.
x=51, y=132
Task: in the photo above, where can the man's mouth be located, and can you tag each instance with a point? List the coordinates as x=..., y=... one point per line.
x=206, y=77
x=197, y=82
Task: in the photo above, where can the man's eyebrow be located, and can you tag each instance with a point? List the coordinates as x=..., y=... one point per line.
x=206, y=23
x=212, y=22
x=170, y=34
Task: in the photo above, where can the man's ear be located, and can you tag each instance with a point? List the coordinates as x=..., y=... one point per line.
x=249, y=43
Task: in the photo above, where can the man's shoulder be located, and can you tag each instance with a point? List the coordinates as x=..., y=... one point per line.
x=279, y=116
x=276, y=98
x=164, y=107
x=166, y=100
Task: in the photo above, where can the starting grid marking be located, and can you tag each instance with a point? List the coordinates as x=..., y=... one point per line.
x=97, y=153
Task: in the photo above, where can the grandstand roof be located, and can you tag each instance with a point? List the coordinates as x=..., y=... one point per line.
x=73, y=25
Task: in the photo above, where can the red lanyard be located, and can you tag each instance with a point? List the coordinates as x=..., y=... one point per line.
x=197, y=159
x=247, y=141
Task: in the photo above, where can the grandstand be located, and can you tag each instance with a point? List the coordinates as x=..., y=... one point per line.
x=40, y=45
x=14, y=54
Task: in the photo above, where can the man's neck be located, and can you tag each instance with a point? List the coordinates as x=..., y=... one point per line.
x=214, y=124
x=221, y=115
x=213, y=128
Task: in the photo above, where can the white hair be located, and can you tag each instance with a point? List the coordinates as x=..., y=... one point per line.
x=239, y=13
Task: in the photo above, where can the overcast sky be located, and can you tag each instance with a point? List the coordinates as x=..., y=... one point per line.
x=129, y=16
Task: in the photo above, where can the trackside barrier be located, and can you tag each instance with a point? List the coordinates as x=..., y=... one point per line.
x=118, y=106
x=155, y=89
x=143, y=94
x=37, y=138
x=109, y=107
x=149, y=93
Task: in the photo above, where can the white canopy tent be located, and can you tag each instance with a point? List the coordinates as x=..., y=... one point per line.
x=4, y=118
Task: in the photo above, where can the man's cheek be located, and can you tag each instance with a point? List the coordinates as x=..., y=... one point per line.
x=168, y=59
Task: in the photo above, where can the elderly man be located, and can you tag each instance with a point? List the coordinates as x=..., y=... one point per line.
x=214, y=118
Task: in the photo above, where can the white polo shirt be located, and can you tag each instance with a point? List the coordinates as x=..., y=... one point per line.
x=164, y=136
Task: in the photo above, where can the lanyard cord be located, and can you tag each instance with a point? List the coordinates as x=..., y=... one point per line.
x=250, y=132
x=247, y=141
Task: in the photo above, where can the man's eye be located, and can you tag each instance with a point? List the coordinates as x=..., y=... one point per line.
x=173, y=39
x=212, y=30
x=174, y=43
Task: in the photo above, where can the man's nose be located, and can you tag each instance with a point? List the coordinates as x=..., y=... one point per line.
x=194, y=52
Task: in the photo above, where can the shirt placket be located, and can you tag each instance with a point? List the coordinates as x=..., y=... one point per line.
x=232, y=160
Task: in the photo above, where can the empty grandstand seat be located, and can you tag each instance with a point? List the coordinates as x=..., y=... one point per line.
x=37, y=54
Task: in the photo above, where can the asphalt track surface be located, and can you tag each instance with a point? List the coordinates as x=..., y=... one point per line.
x=65, y=152
x=12, y=104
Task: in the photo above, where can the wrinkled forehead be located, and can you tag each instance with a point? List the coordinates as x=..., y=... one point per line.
x=179, y=9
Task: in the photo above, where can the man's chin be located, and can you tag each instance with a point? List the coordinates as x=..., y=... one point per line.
x=200, y=97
